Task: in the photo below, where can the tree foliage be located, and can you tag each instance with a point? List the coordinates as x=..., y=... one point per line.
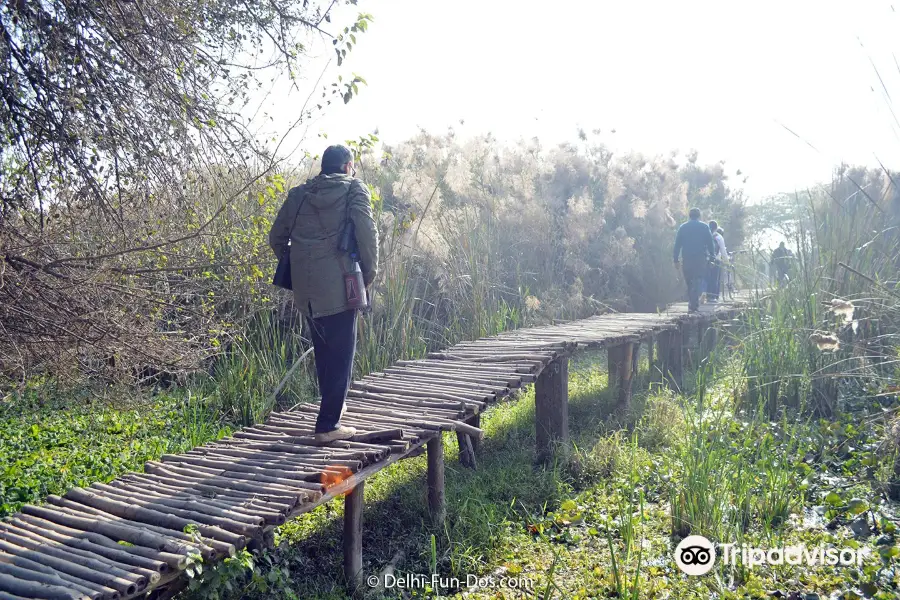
x=576, y=227
x=131, y=169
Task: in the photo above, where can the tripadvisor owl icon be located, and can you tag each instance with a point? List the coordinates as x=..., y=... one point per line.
x=695, y=555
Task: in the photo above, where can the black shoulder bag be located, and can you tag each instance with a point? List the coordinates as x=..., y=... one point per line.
x=282, y=277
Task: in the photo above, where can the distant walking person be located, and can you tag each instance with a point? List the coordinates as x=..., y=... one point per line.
x=727, y=274
x=781, y=262
x=310, y=226
x=714, y=277
x=694, y=243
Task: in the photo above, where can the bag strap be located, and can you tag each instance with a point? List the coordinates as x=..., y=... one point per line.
x=297, y=214
x=347, y=204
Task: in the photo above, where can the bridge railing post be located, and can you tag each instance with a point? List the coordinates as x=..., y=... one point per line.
x=551, y=408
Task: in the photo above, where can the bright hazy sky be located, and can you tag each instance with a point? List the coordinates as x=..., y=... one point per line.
x=719, y=76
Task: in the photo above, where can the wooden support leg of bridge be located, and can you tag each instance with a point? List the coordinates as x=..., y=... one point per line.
x=709, y=340
x=437, y=504
x=676, y=357
x=660, y=369
x=353, y=511
x=475, y=421
x=635, y=359
x=467, y=445
x=466, y=450
x=621, y=361
x=551, y=408
x=612, y=367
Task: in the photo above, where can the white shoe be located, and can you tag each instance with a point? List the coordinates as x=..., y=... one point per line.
x=340, y=433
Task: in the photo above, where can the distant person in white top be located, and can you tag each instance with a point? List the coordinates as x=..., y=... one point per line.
x=727, y=274
x=712, y=281
x=719, y=239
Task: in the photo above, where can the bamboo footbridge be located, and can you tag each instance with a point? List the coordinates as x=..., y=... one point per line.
x=137, y=534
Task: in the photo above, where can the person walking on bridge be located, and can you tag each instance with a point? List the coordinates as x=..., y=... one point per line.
x=781, y=262
x=694, y=242
x=714, y=281
x=310, y=225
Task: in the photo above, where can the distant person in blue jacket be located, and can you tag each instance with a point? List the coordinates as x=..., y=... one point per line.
x=694, y=243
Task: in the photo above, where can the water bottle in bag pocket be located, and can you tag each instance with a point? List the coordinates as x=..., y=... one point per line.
x=355, y=287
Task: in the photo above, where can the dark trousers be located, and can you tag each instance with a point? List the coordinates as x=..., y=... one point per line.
x=712, y=282
x=334, y=340
x=694, y=270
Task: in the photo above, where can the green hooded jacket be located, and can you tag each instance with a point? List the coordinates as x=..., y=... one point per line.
x=317, y=267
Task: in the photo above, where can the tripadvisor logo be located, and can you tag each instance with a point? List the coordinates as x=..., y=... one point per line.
x=695, y=555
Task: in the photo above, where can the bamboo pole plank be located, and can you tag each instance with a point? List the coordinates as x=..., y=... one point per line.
x=415, y=379
x=414, y=432
x=51, y=558
x=136, y=512
x=329, y=452
x=391, y=389
x=209, y=549
x=407, y=420
x=332, y=450
x=415, y=420
x=260, y=435
x=24, y=588
x=23, y=568
x=510, y=368
x=162, y=561
x=267, y=498
x=398, y=400
x=222, y=484
x=360, y=403
x=10, y=563
x=356, y=402
x=450, y=376
x=376, y=403
x=300, y=429
x=244, y=524
x=535, y=360
x=252, y=432
x=38, y=541
x=225, y=451
x=116, y=531
x=225, y=466
x=161, y=493
x=455, y=388
x=256, y=477
x=368, y=431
